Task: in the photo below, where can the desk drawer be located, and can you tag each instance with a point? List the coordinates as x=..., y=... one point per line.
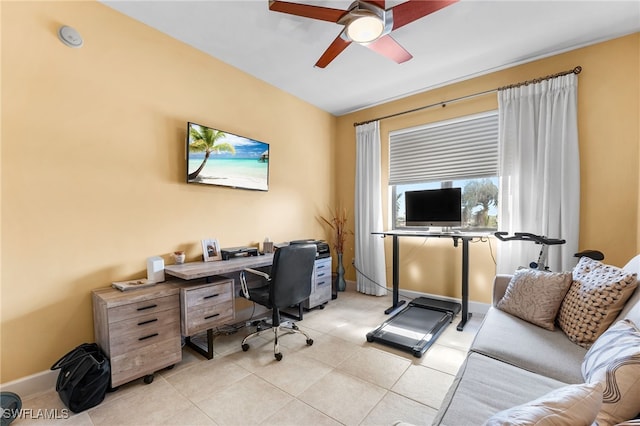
x=323, y=268
x=208, y=294
x=321, y=293
x=156, y=354
x=135, y=333
x=143, y=308
x=206, y=317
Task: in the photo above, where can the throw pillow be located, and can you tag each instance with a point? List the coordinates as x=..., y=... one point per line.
x=535, y=296
x=595, y=298
x=569, y=405
x=614, y=361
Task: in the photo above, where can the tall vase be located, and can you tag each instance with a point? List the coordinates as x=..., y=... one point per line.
x=341, y=285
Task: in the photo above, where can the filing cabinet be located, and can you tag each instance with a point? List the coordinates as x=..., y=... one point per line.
x=320, y=284
x=139, y=330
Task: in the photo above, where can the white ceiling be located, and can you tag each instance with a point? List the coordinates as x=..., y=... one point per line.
x=466, y=39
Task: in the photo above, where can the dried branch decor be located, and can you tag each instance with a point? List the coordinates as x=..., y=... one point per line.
x=338, y=223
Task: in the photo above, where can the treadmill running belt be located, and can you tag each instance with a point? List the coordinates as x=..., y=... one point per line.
x=414, y=329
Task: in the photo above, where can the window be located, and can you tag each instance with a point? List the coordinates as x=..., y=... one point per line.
x=449, y=154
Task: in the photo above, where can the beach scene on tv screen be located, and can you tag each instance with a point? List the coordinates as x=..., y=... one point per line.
x=219, y=158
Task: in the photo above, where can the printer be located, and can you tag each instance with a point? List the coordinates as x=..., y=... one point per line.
x=322, y=248
x=231, y=252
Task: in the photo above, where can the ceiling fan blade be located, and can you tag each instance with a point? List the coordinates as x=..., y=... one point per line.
x=387, y=46
x=306, y=10
x=334, y=49
x=379, y=3
x=411, y=10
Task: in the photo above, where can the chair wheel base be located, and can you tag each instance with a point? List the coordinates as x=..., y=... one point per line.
x=245, y=347
x=278, y=356
x=309, y=342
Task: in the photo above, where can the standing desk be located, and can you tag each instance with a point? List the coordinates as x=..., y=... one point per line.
x=464, y=237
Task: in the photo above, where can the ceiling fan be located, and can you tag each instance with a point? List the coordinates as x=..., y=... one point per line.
x=365, y=22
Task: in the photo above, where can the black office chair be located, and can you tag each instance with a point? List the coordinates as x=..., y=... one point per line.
x=288, y=285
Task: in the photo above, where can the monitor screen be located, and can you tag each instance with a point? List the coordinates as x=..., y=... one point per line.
x=216, y=157
x=434, y=207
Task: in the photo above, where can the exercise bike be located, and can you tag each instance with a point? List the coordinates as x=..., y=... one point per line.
x=541, y=263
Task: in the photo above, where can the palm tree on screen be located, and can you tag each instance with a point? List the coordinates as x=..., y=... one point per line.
x=204, y=139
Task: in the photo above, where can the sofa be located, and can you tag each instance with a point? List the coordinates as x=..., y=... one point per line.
x=523, y=371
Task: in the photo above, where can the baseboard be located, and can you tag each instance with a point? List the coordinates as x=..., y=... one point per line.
x=32, y=385
x=474, y=307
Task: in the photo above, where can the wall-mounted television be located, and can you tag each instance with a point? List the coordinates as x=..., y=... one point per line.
x=434, y=207
x=216, y=157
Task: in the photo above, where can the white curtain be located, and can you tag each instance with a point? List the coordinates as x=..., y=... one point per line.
x=370, y=262
x=539, y=171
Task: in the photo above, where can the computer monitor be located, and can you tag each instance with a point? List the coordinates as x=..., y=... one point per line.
x=434, y=207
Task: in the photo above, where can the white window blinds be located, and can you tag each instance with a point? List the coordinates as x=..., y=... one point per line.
x=463, y=148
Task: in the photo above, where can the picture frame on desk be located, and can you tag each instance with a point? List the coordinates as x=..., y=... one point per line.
x=211, y=250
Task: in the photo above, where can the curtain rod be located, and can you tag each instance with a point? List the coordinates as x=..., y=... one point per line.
x=575, y=70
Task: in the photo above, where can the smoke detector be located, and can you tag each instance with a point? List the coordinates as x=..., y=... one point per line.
x=70, y=37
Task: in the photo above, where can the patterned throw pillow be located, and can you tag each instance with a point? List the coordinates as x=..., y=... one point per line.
x=535, y=296
x=614, y=361
x=569, y=405
x=595, y=298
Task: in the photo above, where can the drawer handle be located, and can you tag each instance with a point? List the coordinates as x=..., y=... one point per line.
x=148, y=321
x=147, y=307
x=213, y=295
x=321, y=266
x=148, y=337
x=321, y=274
x=211, y=316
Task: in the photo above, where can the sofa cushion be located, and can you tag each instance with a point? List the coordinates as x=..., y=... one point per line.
x=535, y=296
x=575, y=405
x=614, y=361
x=517, y=342
x=594, y=300
x=485, y=386
x=631, y=309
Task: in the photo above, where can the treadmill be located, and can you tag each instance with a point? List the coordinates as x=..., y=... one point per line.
x=416, y=327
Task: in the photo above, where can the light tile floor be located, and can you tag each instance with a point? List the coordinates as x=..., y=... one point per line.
x=340, y=379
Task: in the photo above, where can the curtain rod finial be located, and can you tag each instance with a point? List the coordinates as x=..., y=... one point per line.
x=577, y=70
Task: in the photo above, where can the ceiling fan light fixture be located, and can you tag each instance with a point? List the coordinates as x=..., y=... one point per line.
x=365, y=28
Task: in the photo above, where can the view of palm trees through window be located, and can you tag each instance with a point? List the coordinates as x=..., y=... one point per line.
x=479, y=201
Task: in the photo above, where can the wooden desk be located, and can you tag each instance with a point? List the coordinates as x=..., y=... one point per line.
x=209, y=270
x=465, y=237
x=195, y=270
x=140, y=329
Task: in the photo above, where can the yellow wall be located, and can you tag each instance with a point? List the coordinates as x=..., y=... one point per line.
x=93, y=168
x=608, y=111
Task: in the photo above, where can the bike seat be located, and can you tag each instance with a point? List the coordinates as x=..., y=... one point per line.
x=592, y=254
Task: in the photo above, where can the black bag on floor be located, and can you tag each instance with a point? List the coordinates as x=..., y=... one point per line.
x=84, y=377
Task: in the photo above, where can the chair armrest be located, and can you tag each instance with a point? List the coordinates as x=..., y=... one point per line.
x=256, y=272
x=243, y=280
x=500, y=283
